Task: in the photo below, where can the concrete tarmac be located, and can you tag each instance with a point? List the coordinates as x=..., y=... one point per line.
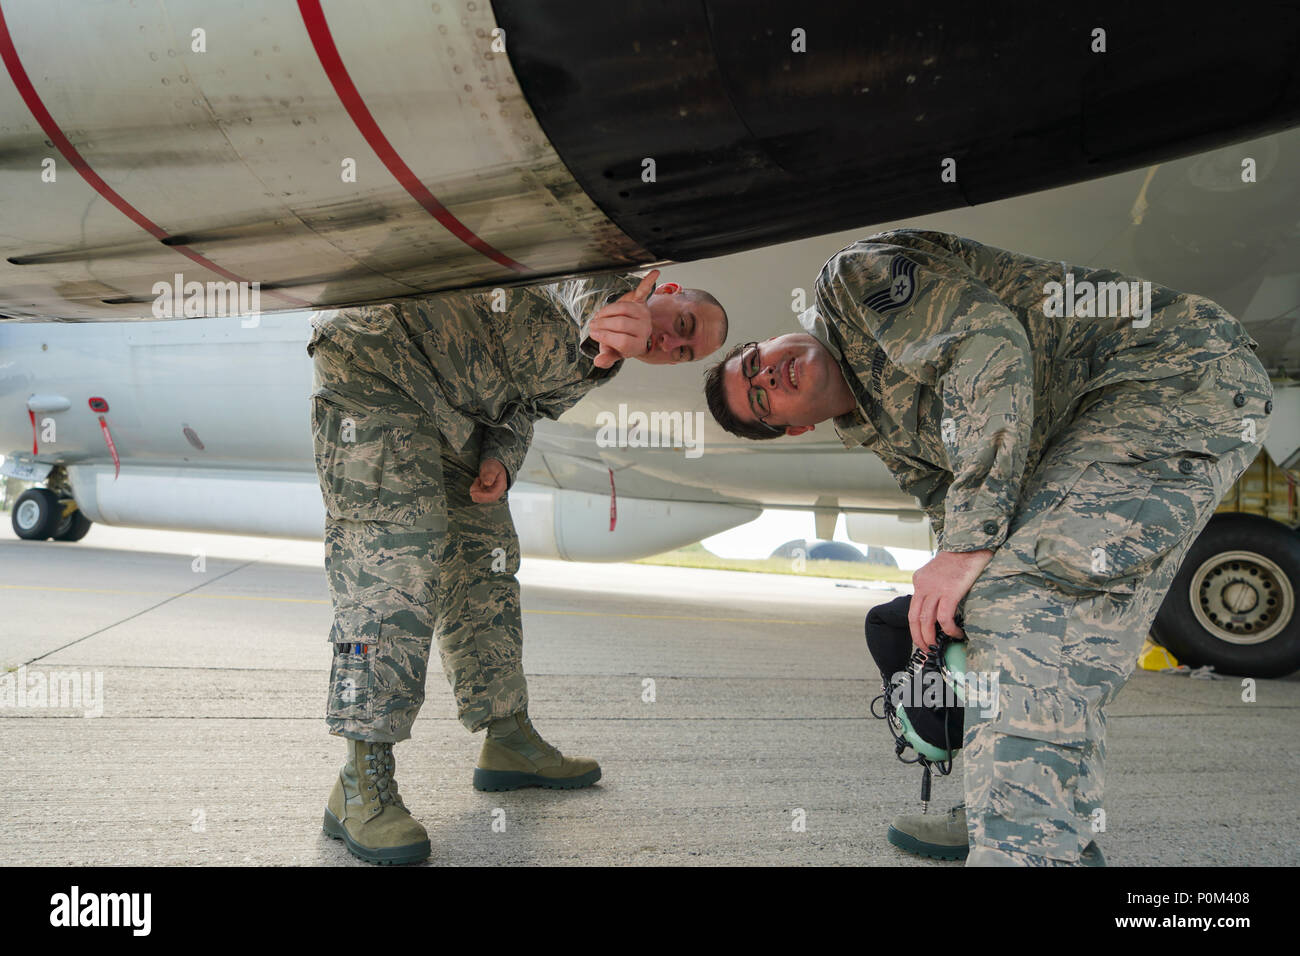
x=208, y=745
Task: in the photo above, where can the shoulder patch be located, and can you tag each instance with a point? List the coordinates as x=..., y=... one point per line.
x=901, y=288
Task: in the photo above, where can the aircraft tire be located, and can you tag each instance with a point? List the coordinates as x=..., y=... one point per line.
x=35, y=514
x=1233, y=603
x=71, y=528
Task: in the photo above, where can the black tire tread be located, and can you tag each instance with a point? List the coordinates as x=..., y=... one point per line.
x=1176, y=626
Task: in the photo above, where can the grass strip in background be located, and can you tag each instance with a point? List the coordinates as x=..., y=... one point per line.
x=697, y=557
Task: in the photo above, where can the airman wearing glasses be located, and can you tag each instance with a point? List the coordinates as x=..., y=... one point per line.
x=1066, y=461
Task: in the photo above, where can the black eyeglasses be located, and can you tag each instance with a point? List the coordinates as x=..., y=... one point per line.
x=750, y=366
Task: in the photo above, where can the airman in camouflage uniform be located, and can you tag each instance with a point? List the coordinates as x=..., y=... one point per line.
x=1068, y=444
x=422, y=414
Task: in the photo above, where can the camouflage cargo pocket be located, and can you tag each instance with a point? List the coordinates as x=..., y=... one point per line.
x=399, y=665
x=354, y=636
x=1118, y=519
x=377, y=468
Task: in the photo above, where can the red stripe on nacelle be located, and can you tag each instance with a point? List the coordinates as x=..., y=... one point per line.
x=18, y=73
x=318, y=29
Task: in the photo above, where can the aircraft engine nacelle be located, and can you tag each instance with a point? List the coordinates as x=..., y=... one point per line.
x=890, y=530
x=571, y=525
x=268, y=503
x=579, y=526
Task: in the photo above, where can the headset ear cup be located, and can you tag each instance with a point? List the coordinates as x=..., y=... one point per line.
x=918, y=741
x=954, y=662
x=933, y=718
x=954, y=669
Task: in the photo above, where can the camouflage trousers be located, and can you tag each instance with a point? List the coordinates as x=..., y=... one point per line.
x=1059, y=615
x=410, y=558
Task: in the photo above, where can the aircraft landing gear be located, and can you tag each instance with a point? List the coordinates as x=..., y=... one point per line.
x=1233, y=603
x=73, y=526
x=40, y=513
x=35, y=514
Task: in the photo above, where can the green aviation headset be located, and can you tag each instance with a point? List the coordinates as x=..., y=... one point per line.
x=923, y=697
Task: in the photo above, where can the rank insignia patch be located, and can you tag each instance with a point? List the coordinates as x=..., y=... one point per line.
x=899, y=292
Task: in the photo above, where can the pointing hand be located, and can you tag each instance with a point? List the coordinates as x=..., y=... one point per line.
x=623, y=327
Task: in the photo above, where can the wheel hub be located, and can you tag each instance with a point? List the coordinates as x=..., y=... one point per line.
x=27, y=515
x=1242, y=597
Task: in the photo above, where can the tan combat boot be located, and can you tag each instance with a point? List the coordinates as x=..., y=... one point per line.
x=514, y=755
x=366, y=812
x=945, y=837
x=940, y=836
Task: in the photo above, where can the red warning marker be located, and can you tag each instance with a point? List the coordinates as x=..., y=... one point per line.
x=99, y=405
x=112, y=448
x=613, y=502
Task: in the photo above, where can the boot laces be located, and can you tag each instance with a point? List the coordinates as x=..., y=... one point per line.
x=380, y=772
x=537, y=738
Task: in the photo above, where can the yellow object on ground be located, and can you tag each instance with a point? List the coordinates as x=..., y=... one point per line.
x=1153, y=657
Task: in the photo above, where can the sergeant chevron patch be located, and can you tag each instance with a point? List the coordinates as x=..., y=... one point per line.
x=902, y=285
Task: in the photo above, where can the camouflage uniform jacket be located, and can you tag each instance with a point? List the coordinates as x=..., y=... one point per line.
x=962, y=374
x=500, y=368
